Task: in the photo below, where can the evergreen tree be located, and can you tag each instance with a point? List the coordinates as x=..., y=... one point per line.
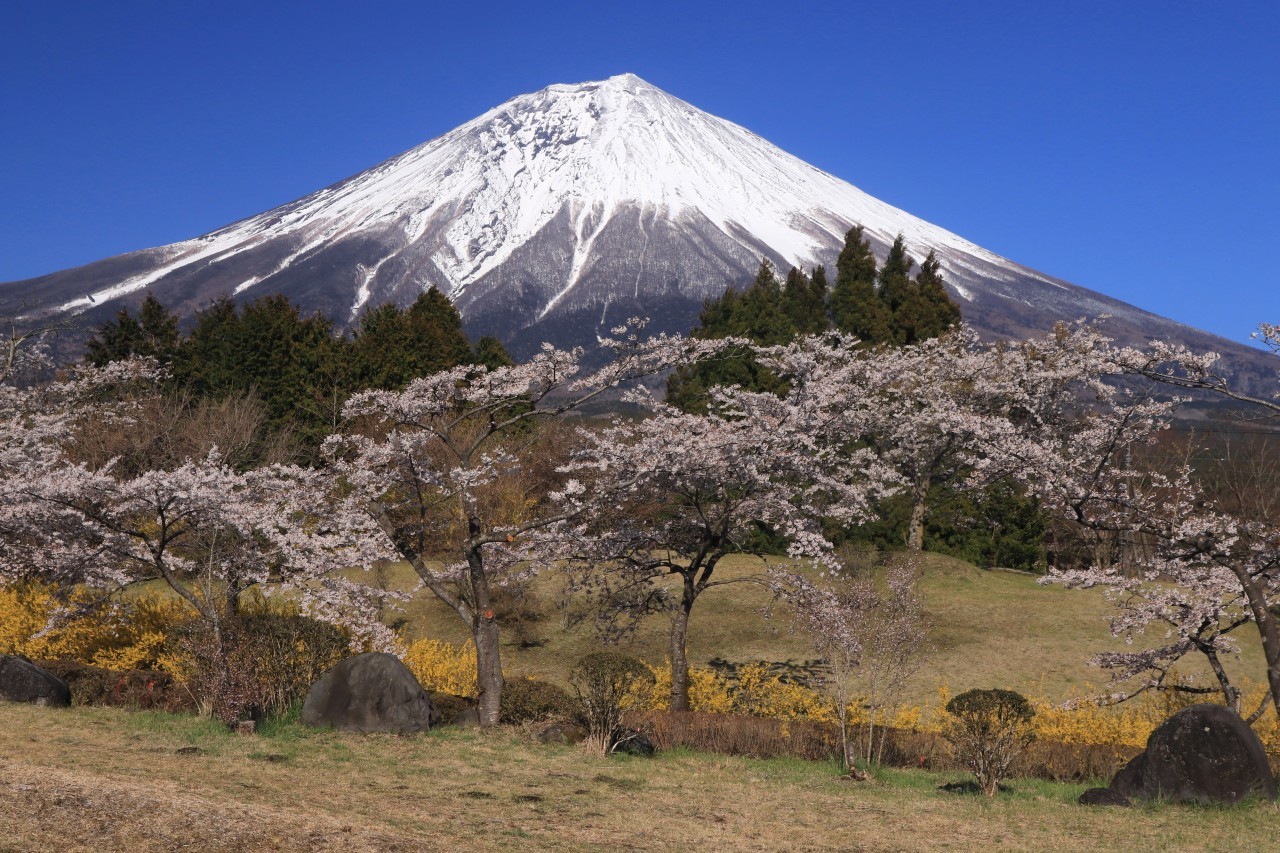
x=154, y=333
x=926, y=311
x=492, y=354
x=804, y=299
x=392, y=347
x=856, y=308
x=895, y=276
x=759, y=314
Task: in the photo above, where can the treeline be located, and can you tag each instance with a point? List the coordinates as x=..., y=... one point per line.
x=882, y=306
x=297, y=366
x=879, y=305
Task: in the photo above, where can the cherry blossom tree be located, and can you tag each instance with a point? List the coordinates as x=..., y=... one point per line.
x=1078, y=407
x=452, y=472
x=206, y=530
x=668, y=497
x=871, y=631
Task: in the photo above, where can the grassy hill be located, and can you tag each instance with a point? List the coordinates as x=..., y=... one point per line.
x=993, y=628
x=104, y=779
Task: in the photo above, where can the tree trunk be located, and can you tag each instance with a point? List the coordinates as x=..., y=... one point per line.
x=915, y=527
x=1267, y=631
x=679, y=655
x=489, y=680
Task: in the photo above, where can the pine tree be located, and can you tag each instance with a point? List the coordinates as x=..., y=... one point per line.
x=393, y=347
x=759, y=314
x=895, y=276
x=926, y=311
x=856, y=308
x=804, y=299
x=154, y=333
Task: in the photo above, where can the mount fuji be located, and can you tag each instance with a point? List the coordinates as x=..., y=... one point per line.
x=561, y=213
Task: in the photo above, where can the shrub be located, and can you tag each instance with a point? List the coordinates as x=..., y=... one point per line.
x=443, y=667
x=450, y=707
x=134, y=688
x=258, y=664
x=113, y=634
x=988, y=730
x=526, y=699
x=603, y=681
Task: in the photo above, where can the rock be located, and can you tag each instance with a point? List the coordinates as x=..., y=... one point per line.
x=565, y=733
x=23, y=681
x=1204, y=754
x=1103, y=797
x=372, y=692
x=633, y=742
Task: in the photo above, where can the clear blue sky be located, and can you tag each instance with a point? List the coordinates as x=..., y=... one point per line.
x=1129, y=146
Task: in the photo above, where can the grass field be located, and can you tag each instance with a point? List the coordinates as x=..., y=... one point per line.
x=992, y=629
x=105, y=779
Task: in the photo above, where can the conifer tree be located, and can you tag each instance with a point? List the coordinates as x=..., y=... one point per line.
x=856, y=308
x=805, y=299
x=895, y=276
x=154, y=333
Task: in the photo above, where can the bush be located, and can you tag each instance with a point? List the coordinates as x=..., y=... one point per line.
x=988, y=730
x=526, y=700
x=113, y=634
x=145, y=689
x=258, y=664
x=450, y=707
x=603, y=681
x=443, y=667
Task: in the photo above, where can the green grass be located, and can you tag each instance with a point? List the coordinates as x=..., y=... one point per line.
x=992, y=628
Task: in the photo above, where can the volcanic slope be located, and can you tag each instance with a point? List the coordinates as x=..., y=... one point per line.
x=561, y=213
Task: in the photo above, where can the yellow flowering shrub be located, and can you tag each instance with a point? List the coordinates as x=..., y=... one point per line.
x=129, y=636
x=709, y=692
x=443, y=667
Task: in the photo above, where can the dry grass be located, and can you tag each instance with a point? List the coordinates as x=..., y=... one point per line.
x=105, y=779
x=993, y=629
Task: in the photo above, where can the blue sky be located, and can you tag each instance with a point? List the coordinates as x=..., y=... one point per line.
x=1131, y=147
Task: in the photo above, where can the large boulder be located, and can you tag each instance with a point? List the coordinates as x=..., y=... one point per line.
x=373, y=692
x=23, y=681
x=1205, y=754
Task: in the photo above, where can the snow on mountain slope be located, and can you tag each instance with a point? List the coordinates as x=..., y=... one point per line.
x=557, y=214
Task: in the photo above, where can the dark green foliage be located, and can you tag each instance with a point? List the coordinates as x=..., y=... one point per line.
x=297, y=366
x=997, y=527
x=135, y=688
x=895, y=276
x=855, y=304
x=394, y=346
x=991, y=707
x=450, y=707
x=759, y=314
x=804, y=299
x=526, y=700
x=491, y=353
x=154, y=333
x=926, y=311
x=292, y=363
x=988, y=731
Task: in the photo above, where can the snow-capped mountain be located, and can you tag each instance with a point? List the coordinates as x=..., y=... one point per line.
x=560, y=213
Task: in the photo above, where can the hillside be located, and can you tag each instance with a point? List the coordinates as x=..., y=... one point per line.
x=992, y=629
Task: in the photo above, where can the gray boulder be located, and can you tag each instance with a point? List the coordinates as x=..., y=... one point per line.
x=372, y=692
x=23, y=681
x=1204, y=754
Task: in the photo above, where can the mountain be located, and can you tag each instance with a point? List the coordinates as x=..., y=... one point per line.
x=561, y=213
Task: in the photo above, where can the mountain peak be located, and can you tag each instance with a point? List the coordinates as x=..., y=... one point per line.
x=555, y=216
